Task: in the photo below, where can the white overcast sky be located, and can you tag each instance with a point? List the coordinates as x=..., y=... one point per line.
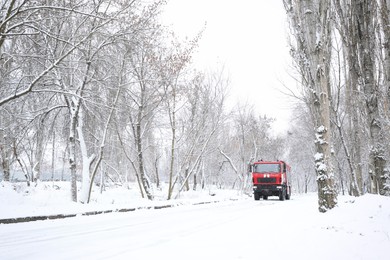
x=247, y=37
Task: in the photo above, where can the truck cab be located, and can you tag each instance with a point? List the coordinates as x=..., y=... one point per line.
x=271, y=178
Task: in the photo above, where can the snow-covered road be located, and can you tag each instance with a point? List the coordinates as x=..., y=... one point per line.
x=243, y=229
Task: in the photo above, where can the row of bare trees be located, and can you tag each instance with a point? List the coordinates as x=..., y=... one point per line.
x=341, y=52
x=101, y=88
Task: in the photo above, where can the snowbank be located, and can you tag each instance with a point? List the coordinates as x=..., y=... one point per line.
x=50, y=198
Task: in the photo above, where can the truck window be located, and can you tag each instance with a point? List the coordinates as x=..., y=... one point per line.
x=265, y=168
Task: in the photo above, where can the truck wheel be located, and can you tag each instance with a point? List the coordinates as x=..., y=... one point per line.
x=282, y=194
x=288, y=195
x=265, y=197
x=256, y=195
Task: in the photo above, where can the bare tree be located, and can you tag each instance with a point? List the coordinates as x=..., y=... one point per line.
x=173, y=76
x=200, y=120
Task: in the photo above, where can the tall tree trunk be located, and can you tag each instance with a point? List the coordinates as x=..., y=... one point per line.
x=53, y=152
x=141, y=168
x=6, y=168
x=186, y=177
x=72, y=154
x=86, y=160
x=385, y=21
x=157, y=172
x=353, y=97
x=5, y=155
x=366, y=23
x=350, y=23
x=172, y=119
x=311, y=24
x=38, y=152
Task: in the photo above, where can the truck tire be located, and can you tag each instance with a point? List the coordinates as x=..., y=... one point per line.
x=282, y=194
x=265, y=197
x=288, y=194
x=256, y=195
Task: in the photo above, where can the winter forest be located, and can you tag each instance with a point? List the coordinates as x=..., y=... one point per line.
x=101, y=93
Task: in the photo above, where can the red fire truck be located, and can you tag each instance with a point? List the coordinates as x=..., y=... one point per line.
x=270, y=178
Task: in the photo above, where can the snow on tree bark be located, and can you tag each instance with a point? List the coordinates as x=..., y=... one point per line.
x=384, y=8
x=86, y=160
x=366, y=12
x=72, y=153
x=310, y=20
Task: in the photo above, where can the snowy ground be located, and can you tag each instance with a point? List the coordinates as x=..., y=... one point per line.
x=359, y=228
